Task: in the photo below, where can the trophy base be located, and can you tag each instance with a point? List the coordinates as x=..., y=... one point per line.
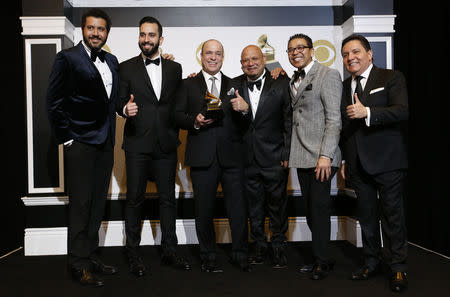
x=216, y=114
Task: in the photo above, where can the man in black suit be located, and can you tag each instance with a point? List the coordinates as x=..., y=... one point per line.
x=266, y=104
x=374, y=107
x=214, y=152
x=81, y=106
x=147, y=91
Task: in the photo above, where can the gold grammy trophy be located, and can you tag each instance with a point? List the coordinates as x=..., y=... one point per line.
x=269, y=52
x=213, y=106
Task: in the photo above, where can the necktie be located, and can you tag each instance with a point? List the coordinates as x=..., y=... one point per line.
x=149, y=61
x=358, y=89
x=256, y=83
x=100, y=54
x=298, y=74
x=214, y=90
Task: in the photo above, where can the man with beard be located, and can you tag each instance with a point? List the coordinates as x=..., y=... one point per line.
x=81, y=106
x=147, y=101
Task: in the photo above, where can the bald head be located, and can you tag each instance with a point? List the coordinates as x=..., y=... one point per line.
x=212, y=56
x=253, y=61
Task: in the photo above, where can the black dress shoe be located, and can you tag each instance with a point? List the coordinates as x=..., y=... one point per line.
x=86, y=278
x=279, y=258
x=307, y=268
x=259, y=256
x=364, y=273
x=137, y=266
x=100, y=267
x=321, y=270
x=399, y=282
x=211, y=266
x=243, y=265
x=176, y=262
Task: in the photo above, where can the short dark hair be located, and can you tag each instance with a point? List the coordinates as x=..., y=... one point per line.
x=364, y=42
x=151, y=20
x=96, y=13
x=302, y=36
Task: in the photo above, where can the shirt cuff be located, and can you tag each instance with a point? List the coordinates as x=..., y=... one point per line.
x=368, y=117
x=68, y=143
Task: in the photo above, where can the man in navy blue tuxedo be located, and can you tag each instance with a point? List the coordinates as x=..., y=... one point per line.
x=81, y=107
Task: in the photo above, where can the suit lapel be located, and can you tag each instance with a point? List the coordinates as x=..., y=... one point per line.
x=223, y=86
x=305, y=82
x=142, y=72
x=370, y=84
x=164, y=77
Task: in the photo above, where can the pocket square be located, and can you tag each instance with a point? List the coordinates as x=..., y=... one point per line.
x=376, y=90
x=308, y=87
x=231, y=92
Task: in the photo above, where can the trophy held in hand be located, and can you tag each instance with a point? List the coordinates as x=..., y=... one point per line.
x=213, y=107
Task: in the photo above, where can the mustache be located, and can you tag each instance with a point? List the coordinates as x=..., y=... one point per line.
x=147, y=43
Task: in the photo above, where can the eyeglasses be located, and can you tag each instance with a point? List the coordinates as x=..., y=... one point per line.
x=299, y=48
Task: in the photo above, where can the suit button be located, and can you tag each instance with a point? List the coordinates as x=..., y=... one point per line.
x=300, y=111
x=302, y=97
x=297, y=124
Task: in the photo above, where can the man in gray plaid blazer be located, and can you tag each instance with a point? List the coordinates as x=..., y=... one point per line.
x=316, y=124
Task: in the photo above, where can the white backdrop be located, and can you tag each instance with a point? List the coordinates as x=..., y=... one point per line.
x=184, y=44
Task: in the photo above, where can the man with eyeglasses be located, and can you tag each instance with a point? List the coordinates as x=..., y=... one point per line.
x=316, y=124
x=214, y=151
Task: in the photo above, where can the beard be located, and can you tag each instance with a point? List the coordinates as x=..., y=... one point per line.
x=92, y=47
x=149, y=53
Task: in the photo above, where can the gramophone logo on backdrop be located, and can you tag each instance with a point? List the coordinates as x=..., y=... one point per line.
x=269, y=52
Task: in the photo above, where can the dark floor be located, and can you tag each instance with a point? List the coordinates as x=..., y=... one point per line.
x=46, y=276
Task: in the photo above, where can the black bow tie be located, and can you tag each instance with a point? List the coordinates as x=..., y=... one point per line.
x=256, y=83
x=298, y=74
x=100, y=54
x=149, y=61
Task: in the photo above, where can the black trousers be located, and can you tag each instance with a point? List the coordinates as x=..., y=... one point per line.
x=205, y=181
x=318, y=202
x=380, y=198
x=162, y=168
x=88, y=173
x=265, y=188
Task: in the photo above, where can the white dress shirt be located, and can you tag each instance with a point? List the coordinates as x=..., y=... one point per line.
x=297, y=83
x=208, y=82
x=255, y=94
x=104, y=71
x=155, y=74
x=364, y=75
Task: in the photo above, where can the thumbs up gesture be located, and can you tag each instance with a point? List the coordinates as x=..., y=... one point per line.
x=238, y=103
x=131, y=108
x=357, y=110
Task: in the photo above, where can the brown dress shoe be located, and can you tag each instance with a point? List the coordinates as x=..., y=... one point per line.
x=399, y=282
x=86, y=278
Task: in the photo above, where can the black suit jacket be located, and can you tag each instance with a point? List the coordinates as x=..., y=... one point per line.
x=77, y=103
x=381, y=146
x=154, y=122
x=222, y=138
x=268, y=134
